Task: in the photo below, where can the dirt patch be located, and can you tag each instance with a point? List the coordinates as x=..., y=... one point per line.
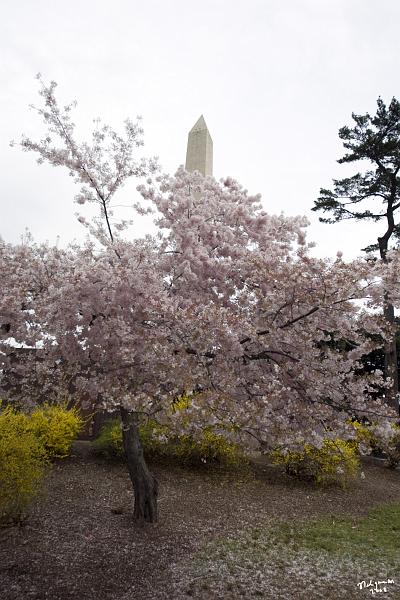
x=80, y=541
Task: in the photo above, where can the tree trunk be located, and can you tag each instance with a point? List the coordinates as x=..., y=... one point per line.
x=388, y=311
x=391, y=360
x=145, y=485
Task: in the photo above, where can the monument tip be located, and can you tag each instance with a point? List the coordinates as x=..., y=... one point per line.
x=200, y=124
x=199, y=153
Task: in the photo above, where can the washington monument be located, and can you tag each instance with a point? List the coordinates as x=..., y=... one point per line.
x=199, y=154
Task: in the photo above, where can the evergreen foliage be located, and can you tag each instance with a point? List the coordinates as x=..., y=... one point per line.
x=375, y=139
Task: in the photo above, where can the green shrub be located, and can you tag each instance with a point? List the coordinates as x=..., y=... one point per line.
x=56, y=427
x=23, y=463
x=335, y=463
x=109, y=441
x=159, y=443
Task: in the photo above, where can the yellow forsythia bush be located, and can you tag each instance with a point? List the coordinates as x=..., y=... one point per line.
x=365, y=440
x=23, y=463
x=56, y=427
x=388, y=441
x=336, y=462
x=375, y=437
x=158, y=443
x=208, y=447
x=27, y=442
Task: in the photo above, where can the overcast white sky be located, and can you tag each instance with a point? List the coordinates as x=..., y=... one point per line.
x=275, y=79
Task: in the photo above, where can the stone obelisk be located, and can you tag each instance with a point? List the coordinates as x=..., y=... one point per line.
x=199, y=154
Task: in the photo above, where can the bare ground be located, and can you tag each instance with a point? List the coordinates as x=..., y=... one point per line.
x=80, y=541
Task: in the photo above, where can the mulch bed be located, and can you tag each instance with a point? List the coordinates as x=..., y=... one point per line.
x=80, y=541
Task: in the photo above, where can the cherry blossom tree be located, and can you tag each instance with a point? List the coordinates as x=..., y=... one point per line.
x=101, y=167
x=99, y=326
x=225, y=301
x=277, y=314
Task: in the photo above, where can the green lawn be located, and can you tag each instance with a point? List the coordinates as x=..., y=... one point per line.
x=311, y=559
x=346, y=537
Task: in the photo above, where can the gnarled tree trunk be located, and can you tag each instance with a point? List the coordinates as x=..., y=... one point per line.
x=145, y=485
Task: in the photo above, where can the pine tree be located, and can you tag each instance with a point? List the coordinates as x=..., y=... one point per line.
x=375, y=139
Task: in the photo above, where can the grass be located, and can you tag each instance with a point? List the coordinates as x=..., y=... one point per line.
x=326, y=552
x=344, y=536
x=338, y=536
